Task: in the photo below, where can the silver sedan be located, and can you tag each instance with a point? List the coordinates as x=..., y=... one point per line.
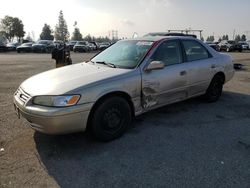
x=129, y=78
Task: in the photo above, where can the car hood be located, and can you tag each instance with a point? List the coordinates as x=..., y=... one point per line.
x=63, y=80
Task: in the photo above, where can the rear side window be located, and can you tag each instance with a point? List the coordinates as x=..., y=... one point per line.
x=168, y=52
x=194, y=50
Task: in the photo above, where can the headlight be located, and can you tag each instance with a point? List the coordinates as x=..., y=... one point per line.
x=56, y=101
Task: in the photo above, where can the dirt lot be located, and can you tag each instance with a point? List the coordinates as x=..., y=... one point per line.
x=189, y=144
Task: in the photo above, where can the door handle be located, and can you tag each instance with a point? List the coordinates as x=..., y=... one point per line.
x=182, y=73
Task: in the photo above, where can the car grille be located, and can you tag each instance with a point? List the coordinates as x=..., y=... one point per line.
x=22, y=95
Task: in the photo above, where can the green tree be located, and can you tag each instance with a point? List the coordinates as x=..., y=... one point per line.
x=61, y=30
x=12, y=27
x=102, y=39
x=28, y=38
x=88, y=38
x=76, y=34
x=210, y=38
x=243, y=38
x=237, y=38
x=18, y=28
x=46, y=33
x=3, y=39
x=225, y=37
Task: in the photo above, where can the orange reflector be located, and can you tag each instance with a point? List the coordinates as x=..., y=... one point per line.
x=73, y=100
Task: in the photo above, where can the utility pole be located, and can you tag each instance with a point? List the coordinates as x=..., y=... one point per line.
x=113, y=34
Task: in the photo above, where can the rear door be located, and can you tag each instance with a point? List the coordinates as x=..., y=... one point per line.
x=167, y=85
x=200, y=64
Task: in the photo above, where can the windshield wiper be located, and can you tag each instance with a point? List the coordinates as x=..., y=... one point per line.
x=106, y=63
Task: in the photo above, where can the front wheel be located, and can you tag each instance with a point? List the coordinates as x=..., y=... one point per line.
x=214, y=90
x=111, y=119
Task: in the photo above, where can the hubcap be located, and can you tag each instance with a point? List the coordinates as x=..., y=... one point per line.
x=112, y=119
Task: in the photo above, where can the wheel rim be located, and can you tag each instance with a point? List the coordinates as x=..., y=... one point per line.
x=112, y=120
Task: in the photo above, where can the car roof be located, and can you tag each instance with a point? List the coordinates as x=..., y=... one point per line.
x=157, y=38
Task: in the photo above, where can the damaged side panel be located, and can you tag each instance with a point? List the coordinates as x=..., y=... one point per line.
x=161, y=87
x=149, y=93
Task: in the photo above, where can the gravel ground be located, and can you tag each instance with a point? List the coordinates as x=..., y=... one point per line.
x=188, y=144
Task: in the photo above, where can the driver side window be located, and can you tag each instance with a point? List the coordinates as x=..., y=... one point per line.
x=168, y=52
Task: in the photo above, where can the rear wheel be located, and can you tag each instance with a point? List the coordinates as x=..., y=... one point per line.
x=111, y=119
x=214, y=90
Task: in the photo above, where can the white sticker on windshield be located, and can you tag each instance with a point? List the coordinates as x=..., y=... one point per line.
x=144, y=43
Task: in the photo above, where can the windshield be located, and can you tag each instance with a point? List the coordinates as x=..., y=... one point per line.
x=124, y=54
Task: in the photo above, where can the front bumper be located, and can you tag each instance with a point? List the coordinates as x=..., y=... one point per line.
x=52, y=120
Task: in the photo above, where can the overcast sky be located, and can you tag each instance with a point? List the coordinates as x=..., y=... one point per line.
x=97, y=17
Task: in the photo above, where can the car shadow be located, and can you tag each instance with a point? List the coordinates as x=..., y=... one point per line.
x=180, y=144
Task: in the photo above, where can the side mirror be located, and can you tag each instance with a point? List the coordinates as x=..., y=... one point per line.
x=154, y=65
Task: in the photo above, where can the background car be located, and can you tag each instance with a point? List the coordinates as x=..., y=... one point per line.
x=104, y=45
x=97, y=46
x=12, y=46
x=213, y=45
x=45, y=46
x=58, y=43
x=81, y=46
x=25, y=47
x=229, y=46
x=3, y=47
x=71, y=44
x=244, y=45
x=91, y=46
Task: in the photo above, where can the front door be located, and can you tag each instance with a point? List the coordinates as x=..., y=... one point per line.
x=167, y=85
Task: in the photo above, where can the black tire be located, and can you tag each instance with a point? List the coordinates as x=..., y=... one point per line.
x=215, y=88
x=110, y=119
